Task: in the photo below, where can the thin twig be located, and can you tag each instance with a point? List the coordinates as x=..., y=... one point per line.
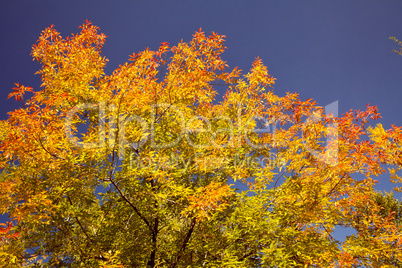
x=78, y=221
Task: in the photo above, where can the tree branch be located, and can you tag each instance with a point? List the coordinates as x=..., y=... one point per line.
x=79, y=222
x=246, y=255
x=131, y=205
x=154, y=234
x=333, y=188
x=184, y=244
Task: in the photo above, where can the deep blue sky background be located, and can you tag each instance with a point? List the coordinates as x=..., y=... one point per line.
x=325, y=50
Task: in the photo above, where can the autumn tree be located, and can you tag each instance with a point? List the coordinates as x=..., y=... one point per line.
x=144, y=168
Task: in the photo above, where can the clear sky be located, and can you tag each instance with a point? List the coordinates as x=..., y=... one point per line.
x=325, y=50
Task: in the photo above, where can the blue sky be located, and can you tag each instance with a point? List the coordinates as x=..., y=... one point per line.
x=325, y=50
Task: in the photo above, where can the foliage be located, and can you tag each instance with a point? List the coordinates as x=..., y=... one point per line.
x=139, y=168
x=399, y=52
x=389, y=205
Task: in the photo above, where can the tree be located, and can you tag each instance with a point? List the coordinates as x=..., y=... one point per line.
x=139, y=168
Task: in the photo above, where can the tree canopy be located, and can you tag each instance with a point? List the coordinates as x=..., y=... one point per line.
x=145, y=168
